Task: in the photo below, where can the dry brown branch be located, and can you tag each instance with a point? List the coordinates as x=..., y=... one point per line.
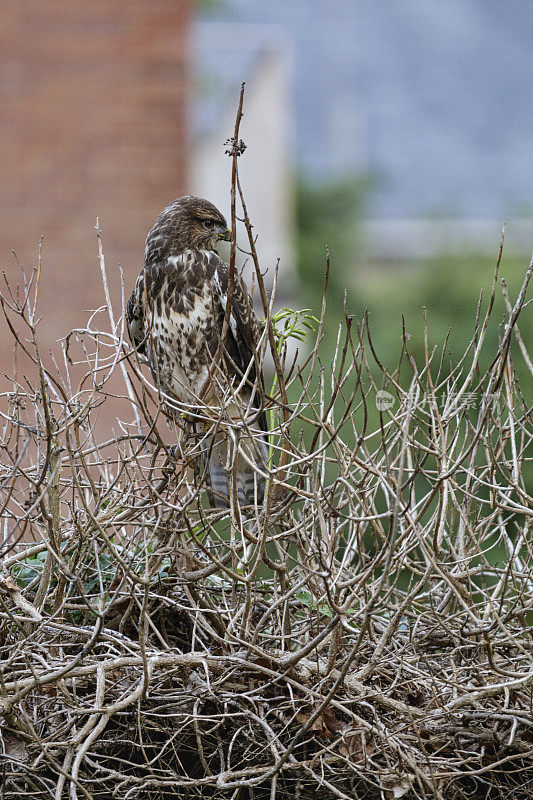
x=365, y=635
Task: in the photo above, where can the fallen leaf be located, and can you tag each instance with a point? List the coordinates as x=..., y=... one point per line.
x=15, y=749
x=397, y=786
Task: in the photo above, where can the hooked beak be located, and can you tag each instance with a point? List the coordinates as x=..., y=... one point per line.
x=225, y=236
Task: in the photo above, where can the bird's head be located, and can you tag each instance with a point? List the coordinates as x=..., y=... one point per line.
x=187, y=223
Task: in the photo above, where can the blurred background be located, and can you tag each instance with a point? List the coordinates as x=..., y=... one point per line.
x=398, y=134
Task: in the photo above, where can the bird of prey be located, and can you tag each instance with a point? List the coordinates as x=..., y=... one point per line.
x=176, y=320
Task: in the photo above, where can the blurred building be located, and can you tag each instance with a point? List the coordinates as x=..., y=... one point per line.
x=94, y=116
x=430, y=99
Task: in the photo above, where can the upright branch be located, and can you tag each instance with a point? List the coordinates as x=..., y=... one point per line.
x=236, y=149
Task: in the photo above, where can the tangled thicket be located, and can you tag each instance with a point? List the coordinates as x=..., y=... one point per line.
x=365, y=632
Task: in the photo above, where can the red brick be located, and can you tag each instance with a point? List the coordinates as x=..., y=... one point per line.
x=93, y=122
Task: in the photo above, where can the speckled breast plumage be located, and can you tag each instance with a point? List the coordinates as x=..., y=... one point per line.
x=176, y=309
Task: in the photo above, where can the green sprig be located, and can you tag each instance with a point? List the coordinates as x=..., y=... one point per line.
x=290, y=323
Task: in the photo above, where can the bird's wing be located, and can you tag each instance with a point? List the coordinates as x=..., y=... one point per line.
x=243, y=334
x=135, y=315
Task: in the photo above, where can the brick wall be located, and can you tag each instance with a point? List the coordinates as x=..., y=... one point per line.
x=93, y=100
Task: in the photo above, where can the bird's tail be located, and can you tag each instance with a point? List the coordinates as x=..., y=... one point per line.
x=227, y=469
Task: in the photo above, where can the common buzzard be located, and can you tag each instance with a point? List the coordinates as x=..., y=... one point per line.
x=176, y=317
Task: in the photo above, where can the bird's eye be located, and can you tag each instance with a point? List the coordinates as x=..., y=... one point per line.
x=209, y=223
